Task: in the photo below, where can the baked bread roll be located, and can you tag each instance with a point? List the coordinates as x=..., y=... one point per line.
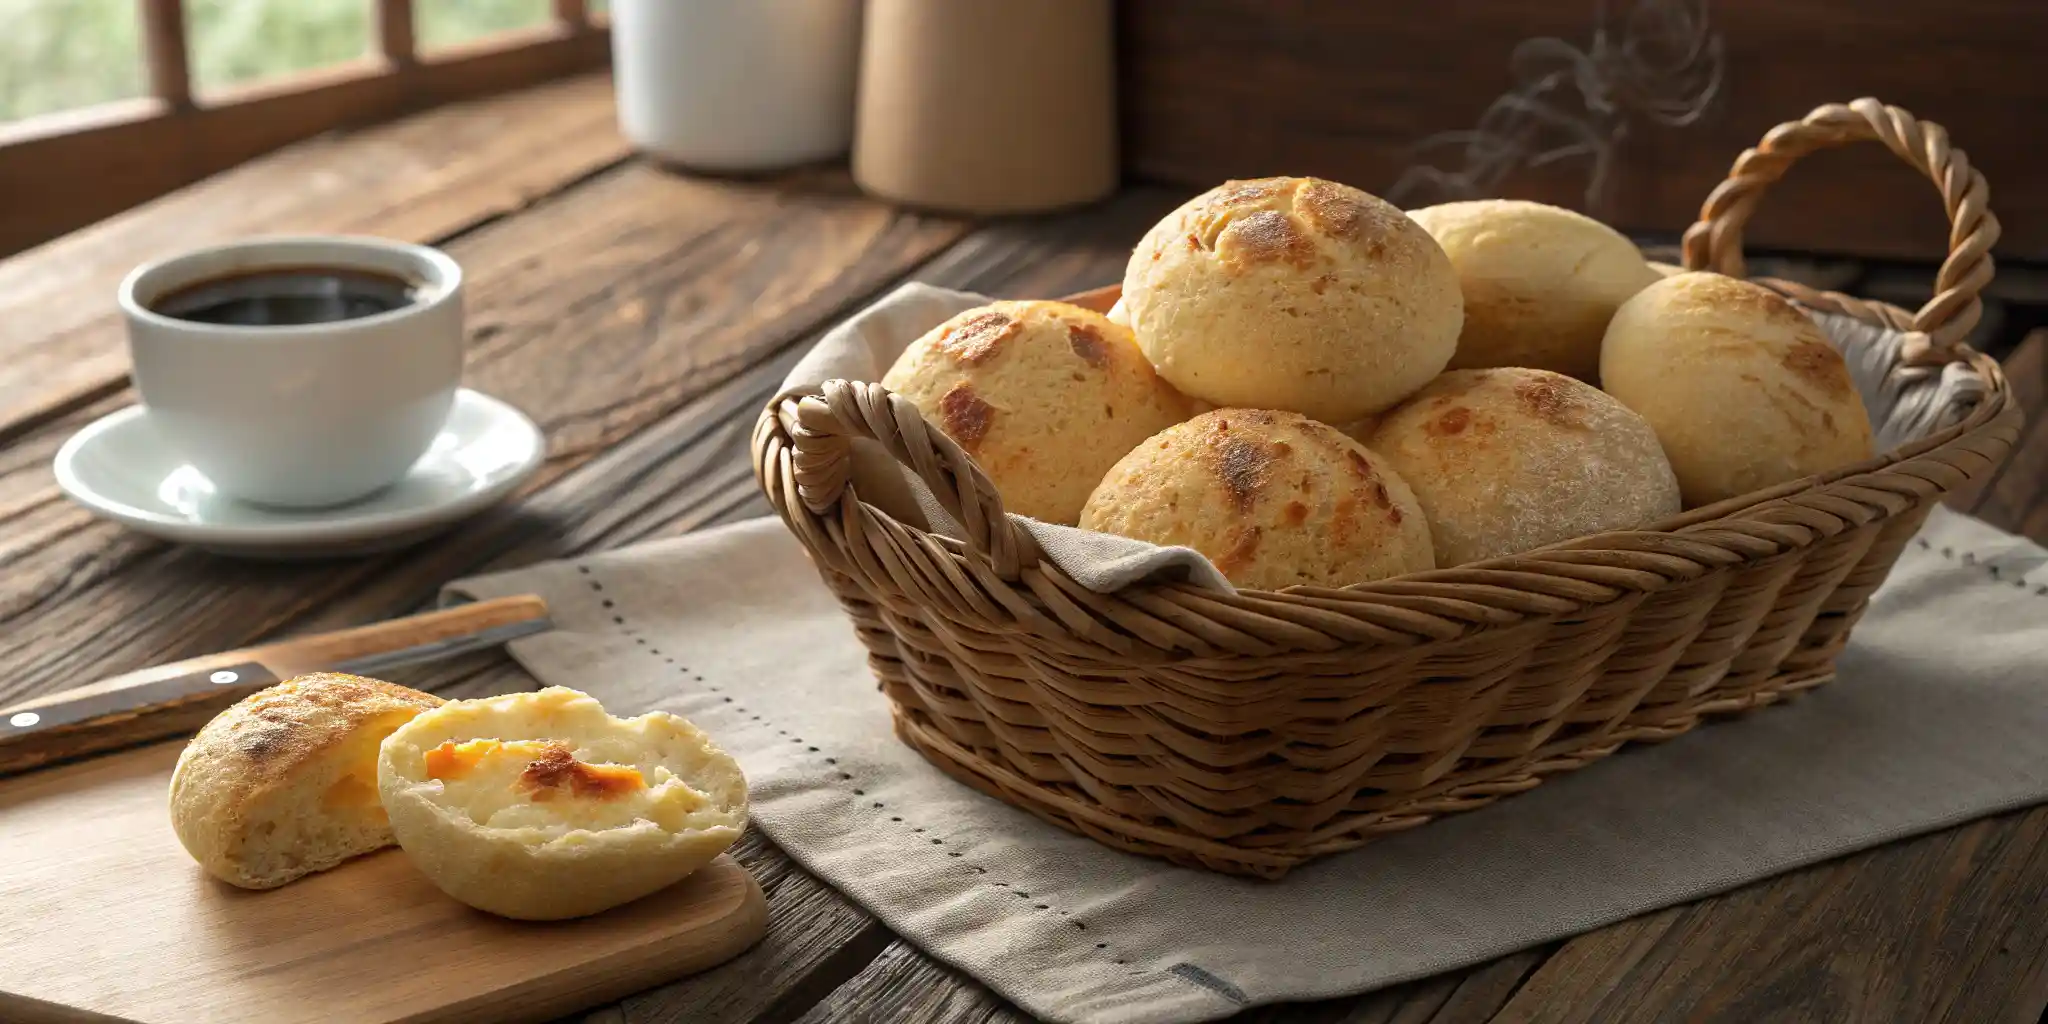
x=1743, y=390
x=1045, y=395
x=1293, y=293
x=1507, y=460
x=1540, y=282
x=541, y=806
x=1275, y=499
x=284, y=783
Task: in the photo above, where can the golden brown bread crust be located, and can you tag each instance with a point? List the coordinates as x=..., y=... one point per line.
x=296, y=720
x=1293, y=293
x=1743, y=390
x=1274, y=499
x=271, y=742
x=1045, y=395
x=1508, y=460
x=1540, y=282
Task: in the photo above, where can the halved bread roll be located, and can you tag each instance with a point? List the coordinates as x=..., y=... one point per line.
x=542, y=806
x=284, y=783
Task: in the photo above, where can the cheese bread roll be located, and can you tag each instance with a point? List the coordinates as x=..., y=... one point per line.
x=284, y=783
x=542, y=806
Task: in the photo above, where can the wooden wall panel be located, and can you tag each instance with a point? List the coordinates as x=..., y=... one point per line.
x=1219, y=88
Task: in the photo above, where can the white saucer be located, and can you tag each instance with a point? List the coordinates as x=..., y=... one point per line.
x=119, y=468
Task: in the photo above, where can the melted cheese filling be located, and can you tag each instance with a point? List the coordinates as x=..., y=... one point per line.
x=556, y=787
x=354, y=791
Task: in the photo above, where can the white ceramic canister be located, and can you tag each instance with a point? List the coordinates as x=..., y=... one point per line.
x=737, y=85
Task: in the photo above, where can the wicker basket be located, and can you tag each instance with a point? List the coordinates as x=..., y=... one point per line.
x=1248, y=733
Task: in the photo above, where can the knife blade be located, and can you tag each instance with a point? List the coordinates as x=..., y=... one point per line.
x=179, y=697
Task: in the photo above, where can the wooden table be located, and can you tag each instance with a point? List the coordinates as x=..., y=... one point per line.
x=643, y=317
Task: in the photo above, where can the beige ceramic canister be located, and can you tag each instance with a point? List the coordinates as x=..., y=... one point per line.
x=987, y=106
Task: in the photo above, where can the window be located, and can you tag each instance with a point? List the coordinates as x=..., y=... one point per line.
x=200, y=85
x=446, y=22
x=66, y=54
x=234, y=42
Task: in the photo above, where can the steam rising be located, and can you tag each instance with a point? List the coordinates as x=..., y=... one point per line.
x=1664, y=65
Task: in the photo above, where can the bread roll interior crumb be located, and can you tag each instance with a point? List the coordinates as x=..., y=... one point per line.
x=542, y=806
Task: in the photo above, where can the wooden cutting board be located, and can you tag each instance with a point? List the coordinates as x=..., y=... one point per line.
x=103, y=916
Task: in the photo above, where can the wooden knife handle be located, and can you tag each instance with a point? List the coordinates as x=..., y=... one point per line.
x=179, y=697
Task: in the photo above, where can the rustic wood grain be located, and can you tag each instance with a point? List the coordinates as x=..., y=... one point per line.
x=595, y=314
x=395, y=40
x=304, y=653
x=422, y=179
x=1009, y=259
x=664, y=480
x=1039, y=259
x=2017, y=499
x=1470, y=996
x=574, y=14
x=371, y=940
x=815, y=940
x=139, y=151
x=1013, y=259
x=1212, y=89
x=476, y=674
x=644, y=319
x=690, y=470
x=1901, y=933
x=684, y=295
x=164, y=52
x=904, y=986
x=674, y=477
x=1482, y=991
x=1943, y=928
x=179, y=697
x=687, y=468
x=2026, y=368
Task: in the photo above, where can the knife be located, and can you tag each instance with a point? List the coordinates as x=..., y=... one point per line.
x=177, y=698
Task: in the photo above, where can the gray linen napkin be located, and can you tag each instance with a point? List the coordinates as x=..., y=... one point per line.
x=1938, y=716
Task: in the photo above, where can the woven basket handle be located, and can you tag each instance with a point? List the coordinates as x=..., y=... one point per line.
x=1939, y=327
x=824, y=428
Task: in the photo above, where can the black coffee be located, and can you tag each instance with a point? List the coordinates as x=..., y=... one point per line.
x=286, y=296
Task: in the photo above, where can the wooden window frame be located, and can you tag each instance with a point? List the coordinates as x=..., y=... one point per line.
x=60, y=172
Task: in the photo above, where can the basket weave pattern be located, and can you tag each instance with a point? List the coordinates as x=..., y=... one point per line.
x=1250, y=732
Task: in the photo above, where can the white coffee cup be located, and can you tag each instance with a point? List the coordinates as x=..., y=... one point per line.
x=301, y=415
